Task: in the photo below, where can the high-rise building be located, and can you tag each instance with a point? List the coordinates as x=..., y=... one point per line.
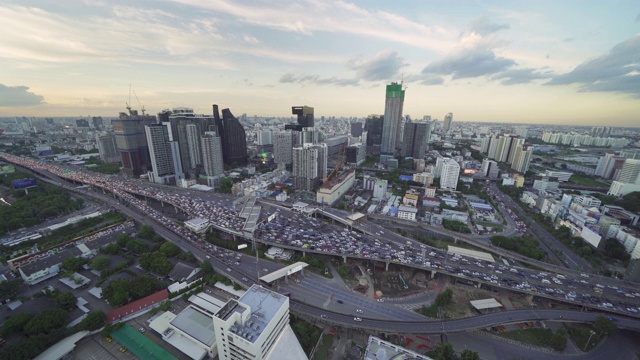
x=515, y=143
x=392, y=122
x=193, y=144
x=356, y=129
x=449, y=175
x=448, y=120
x=356, y=154
x=630, y=153
x=630, y=172
x=82, y=123
x=234, y=140
x=165, y=155
x=373, y=127
x=309, y=166
x=490, y=169
x=415, y=139
x=98, y=123
x=132, y=142
x=601, y=131
x=252, y=326
x=187, y=128
x=212, y=156
x=522, y=157
x=609, y=166
x=107, y=148
x=283, y=147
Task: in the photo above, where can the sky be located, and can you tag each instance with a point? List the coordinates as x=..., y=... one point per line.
x=558, y=62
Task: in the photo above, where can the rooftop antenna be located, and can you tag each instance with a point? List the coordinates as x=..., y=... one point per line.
x=128, y=106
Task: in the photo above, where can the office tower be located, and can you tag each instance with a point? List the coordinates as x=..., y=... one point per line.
x=448, y=119
x=522, y=158
x=356, y=129
x=356, y=154
x=165, y=155
x=449, y=174
x=98, y=123
x=630, y=171
x=107, y=148
x=283, y=147
x=373, y=127
x=212, y=157
x=252, y=326
x=484, y=145
x=305, y=115
x=490, y=169
x=132, y=142
x=264, y=141
x=437, y=170
x=234, y=140
x=414, y=143
x=392, y=122
x=309, y=166
x=82, y=123
x=193, y=144
x=609, y=166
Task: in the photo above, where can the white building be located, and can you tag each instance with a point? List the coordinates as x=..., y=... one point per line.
x=449, y=175
x=407, y=212
x=587, y=201
x=545, y=183
x=211, y=145
x=165, y=155
x=282, y=147
x=620, y=189
x=380, y=188
x=631, y=241
x=331, y=191
x=424, y=178
x=197, y=225
x=256, y=326
x=309, y=166
x=430, y=191
x=562, y=176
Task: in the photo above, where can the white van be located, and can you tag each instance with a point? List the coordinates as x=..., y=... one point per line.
x=545, y=281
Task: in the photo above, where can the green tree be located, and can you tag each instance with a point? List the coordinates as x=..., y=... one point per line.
x=137, y=246
x=117, y=292
x=100, y=263
x=123, y=239
x=110, y=249
x=73, y=263
x=143, y=285
x=9, y=289
x=469, y=355
x=444, y=298
x=46, y=322
x=559, y=340
x=66, y=300
x=93, y=321
x=444, y=351
x=15, y=324
x=225, y=185
x=170, y=249
x=156, y=262
x=206, y=267
x=605, y=326
x=188, y=257
x=146, y=232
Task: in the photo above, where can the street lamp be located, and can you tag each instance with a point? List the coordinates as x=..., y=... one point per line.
x=590, y=335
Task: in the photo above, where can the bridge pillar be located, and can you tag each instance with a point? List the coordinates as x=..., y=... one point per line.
x=386, y=266
x=344, y=259
x=175, y=207
x=304, y=254
x=234, y=237
x=161, y=203
x=433, y=274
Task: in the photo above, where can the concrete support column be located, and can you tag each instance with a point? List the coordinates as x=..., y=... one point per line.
x=304, y=254
x=386, y=266
x=433, y=274
x=344, y=258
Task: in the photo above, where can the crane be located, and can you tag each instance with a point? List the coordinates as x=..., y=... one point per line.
x=339, y=163
x=141, y=106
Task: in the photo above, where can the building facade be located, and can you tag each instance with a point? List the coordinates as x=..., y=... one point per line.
x=392, y=121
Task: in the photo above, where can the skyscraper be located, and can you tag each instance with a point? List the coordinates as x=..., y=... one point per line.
x=107, y=148
x=448, y=119
x=630, y=172
x=283, y=147
x=305, y=115
x=234, y=139
x=132, y=142
x=309, y=166
x=392, y=122
x=165, y=155
x=449, y=175
x=373, y=127
x=522, y=157
x=212, y=157
x=609, y=166
x=415, y=139
x=193, y=145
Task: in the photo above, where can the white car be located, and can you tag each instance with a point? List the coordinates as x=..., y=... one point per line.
x=357, y=319
x=380, y=300
x=229, y=269
x=359, y=311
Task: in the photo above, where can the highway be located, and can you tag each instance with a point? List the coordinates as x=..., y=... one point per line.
x=241, y=272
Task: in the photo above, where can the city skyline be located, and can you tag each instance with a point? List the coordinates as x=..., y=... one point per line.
x=573, y=63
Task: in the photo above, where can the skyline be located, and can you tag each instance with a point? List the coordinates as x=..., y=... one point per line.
x=573, y=63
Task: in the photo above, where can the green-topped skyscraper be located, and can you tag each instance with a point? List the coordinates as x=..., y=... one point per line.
x=392, y=122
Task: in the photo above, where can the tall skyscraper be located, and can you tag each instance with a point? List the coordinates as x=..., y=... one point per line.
x=305, y=115
x=98, y=123
x=234, y=139
x=392, y=122
x=630, y=172
x=448, y=119
x=283, y=147
x=193, y=144
x=449, y=175
x=132, y=142
x=373, y=127
x=415, y=139
x=522, y=157
x=165, y=155
x=309, y=166
x=356, y=129
x=107, y=148
x=212, y=157
x=609, y=166
x=490, y=169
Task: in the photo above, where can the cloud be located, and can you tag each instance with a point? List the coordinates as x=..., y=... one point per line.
x=519, y=76
x=383, y=66
x=18, y=96
x=316, y=80
x=616, y=71
x=433, y=80
x=638, y=18
x=469, y=63
x=484, y=26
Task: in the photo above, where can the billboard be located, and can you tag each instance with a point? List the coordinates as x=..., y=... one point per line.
x=242, y=246
x=271, y=217
x=24, y=183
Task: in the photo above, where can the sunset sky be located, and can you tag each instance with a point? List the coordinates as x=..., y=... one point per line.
x=560, y=62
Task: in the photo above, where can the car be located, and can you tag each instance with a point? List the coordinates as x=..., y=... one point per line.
x=359, y=311
x=357, y=319
x=324, y=316
x=245, y=279
x=142, y=330
x=380, y=300
x=229, y=269
x=340, y=301
x=265, y=270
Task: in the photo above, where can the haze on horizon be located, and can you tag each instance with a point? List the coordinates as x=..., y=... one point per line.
x=566, y=63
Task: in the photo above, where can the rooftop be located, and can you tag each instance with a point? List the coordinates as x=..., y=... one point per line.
x=378, y=349
x=196, y=324
x=197, y=221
